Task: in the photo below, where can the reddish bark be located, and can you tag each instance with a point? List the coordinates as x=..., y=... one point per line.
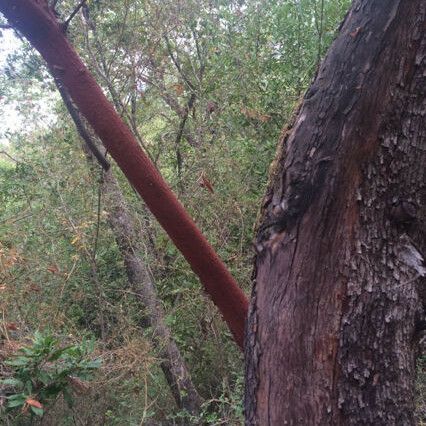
x=39, y=25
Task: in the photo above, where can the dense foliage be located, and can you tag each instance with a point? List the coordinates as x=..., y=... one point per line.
x=206, y=87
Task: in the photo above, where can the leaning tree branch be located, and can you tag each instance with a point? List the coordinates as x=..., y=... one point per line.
x=44, y=32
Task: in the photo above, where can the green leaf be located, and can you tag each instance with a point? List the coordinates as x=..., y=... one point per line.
x=27, y=351
x=28, y=387
x=37, y=411
x=90, y=345
x=16, y=400
x=44, y=377
x=11, y=382
x=57, y=354
x=96, y=363
x=37, y=337
x=53, y=389
x=68, y=398
x=16, y=403
x=17, y=396
x=18, y=361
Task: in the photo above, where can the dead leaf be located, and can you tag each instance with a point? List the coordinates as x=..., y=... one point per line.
x=205, y=183
x=53, y=269
x=11, y=346
x=75, y=240
x=178, y=88
x=78, y=384
x=11, y=326
x=354, y=33
x=35, y=287
x=211, y=106
x=255, y=115
x=33, y=403
x=264, y=118
x=376, y=379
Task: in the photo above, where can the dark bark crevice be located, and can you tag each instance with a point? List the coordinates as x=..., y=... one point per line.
x=334, y=305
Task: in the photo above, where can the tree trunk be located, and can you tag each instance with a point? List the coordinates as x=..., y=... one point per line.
x=38, y=23
x=336, y=307
x=141, y=281
x=140, y=278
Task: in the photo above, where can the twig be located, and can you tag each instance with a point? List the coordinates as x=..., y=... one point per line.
x=5, y=27
x=6, y=334
x=103, y=73
x=176, y=63
x=69, y=274
x=15, y=219
x=188, y=109
x=9, y=156
x=65, y=24
x=320, y=32
x=98, y=221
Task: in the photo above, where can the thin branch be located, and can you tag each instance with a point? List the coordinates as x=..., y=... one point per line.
x=176, y=62
x=179, y=159
x=81, y=131
x=168, y=99
x=198, y=49
x=98, y=215
x=103, y=73
x=15, y=219
x=65, y=24
x=320, y=33
x=93, y=266
x=5, y=27
x=9, y=156
x=198, y=75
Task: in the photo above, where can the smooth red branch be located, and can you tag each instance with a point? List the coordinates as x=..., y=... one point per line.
x=39, y=25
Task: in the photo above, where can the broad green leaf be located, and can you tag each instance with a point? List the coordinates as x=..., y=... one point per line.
x=12, y=382
x=57, y=354
x=37, y=411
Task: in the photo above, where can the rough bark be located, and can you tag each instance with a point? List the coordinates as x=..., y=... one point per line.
x=38, y=24
x=336, y=308
x=140, y=279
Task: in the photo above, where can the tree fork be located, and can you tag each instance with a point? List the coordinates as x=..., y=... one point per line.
x=38, y=24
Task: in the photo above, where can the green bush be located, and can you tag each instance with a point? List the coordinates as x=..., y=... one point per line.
x=44, y=370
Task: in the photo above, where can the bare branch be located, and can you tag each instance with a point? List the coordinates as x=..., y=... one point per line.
x=176, y=62
x=9, y=156
x=65, y=24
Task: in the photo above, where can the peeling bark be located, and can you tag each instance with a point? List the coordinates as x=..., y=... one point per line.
x=39, y=25
x=332, y=329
